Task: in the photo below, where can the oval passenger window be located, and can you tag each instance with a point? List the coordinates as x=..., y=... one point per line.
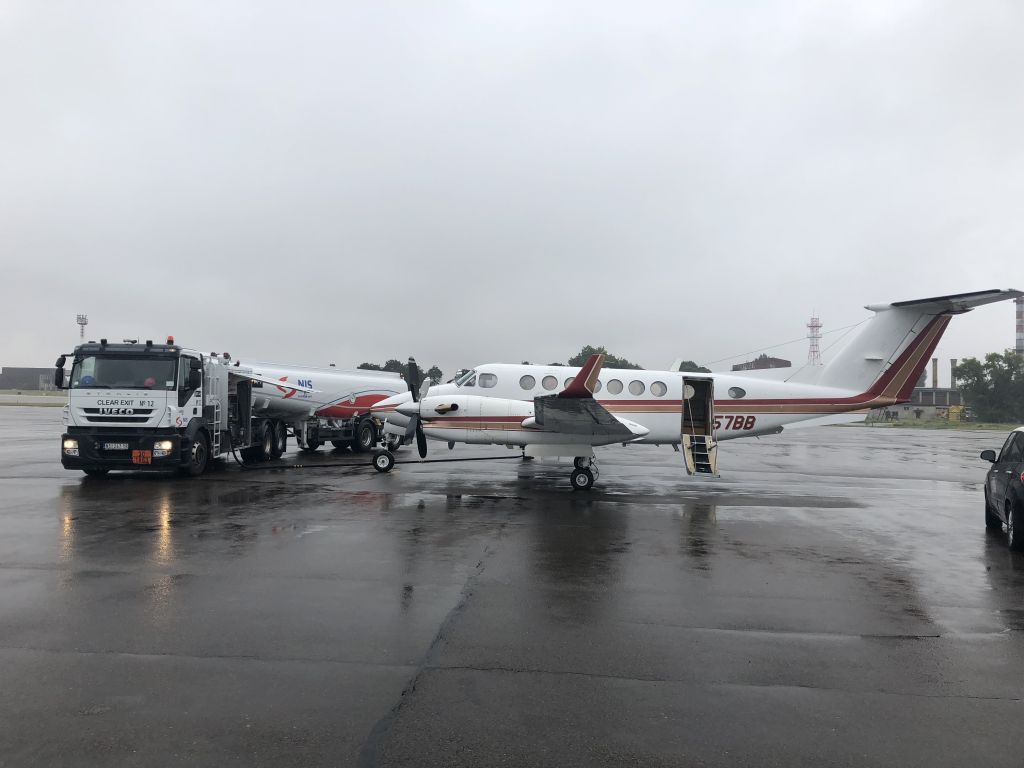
x=614, y=386
x=549, y=382
x=658, y=389
x=569, y=381
x=636, y=387
x=488, y=380
x=527, y=382
x=737, y=392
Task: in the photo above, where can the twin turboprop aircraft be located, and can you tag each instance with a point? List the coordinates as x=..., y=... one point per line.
x=561, y=411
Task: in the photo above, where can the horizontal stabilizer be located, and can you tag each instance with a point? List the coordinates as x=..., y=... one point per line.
x=955, y=303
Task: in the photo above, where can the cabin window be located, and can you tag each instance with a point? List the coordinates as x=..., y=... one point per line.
x=737, y=392
x=464, y=377
x=597, y=386
x=658, y=389
x=488, y=380
x=569, y=381
x=614, y=386
x=636, y=387
x=549, y=382
x=527, y=382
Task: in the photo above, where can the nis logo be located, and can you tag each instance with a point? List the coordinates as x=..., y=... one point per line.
x=117, y=411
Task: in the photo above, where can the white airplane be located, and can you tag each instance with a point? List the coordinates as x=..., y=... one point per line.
x=562, y=411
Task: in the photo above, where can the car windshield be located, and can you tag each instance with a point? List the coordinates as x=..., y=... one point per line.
x=122, y=372
x=464, y=378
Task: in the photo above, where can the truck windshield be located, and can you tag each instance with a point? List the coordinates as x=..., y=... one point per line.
x=119, y=372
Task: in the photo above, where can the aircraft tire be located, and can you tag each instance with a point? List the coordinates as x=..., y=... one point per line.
x=383, y=461
x=582, y=479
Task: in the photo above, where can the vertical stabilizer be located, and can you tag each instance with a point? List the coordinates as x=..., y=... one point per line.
x=890, y=351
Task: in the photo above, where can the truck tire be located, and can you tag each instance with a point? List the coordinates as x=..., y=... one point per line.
x=199, y=456
x=95, y=472
x=341, y=445
x=279, y=440
x=365, y=437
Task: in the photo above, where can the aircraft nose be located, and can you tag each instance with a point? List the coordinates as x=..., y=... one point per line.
x=393, y=409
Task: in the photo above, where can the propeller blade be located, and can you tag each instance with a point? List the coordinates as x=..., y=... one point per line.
x=412, y=427
x=421, y=441
x=412, y=378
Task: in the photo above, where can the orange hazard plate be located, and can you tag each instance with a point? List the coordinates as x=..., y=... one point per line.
x=142, y=457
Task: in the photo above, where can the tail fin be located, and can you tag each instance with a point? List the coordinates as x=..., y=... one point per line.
x=886, y=357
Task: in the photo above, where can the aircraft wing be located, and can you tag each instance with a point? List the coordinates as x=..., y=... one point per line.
x=577, y=416
x=244, y=374
x=574, y=411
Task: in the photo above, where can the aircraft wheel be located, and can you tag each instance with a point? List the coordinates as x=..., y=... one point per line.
x=383, y=461
x=582, y=479
x=581, y=462
x=394, y=442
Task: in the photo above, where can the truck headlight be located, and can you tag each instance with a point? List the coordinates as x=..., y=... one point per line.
x=163, y=445
x=70, y=443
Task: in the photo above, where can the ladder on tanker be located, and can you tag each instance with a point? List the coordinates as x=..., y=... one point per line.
x=215, y=431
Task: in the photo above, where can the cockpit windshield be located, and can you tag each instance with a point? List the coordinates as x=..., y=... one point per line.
x=465, y=378
x=123, y=372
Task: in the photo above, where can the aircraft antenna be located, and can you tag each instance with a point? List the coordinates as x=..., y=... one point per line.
x=814, y=336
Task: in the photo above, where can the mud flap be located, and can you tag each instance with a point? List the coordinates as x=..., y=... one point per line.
x=697, y=426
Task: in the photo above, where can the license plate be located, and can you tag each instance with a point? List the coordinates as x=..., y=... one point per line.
x=142, y=457
x=115, y=446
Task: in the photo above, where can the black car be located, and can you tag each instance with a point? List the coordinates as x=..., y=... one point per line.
x=1004, y=489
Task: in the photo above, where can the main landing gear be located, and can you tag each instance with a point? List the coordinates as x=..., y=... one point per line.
x=584, y=474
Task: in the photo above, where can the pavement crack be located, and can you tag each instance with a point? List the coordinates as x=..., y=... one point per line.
x=369, y=751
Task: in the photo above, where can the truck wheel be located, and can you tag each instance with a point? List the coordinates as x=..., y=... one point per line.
x=366, y=436
x=311, y=446
x=341, y=445
x=279, y=440
x=95, y=472
x=200, y=455
x=266, y=447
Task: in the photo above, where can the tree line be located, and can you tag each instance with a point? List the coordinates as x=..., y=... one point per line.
x=993, y=387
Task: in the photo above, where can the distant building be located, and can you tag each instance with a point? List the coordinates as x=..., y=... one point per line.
x=26, y=378
x=761, y=362
x=925, y=403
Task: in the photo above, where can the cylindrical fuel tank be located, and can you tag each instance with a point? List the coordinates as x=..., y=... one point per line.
x=339, y=394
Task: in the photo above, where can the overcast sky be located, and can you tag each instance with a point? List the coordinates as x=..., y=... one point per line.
x=495, y=182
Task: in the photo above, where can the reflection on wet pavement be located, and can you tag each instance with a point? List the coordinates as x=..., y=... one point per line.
x=834, y=597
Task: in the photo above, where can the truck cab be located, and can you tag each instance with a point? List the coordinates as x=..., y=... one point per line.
x=136, y=406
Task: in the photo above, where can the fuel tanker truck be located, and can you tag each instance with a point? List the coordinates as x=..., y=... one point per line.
x=161, y=406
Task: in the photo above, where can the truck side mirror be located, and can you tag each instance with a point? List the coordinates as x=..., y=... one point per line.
x=58, y=372
x=989, y=455
x=195, y=379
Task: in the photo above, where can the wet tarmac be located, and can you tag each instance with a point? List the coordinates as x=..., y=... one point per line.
x=833, y=599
